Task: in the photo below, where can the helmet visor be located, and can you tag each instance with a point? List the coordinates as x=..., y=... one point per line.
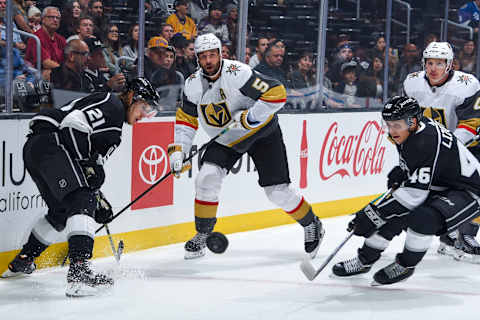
x=395, y=126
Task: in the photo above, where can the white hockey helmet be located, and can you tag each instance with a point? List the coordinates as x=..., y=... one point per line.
x=207, y=41
x=438, y=50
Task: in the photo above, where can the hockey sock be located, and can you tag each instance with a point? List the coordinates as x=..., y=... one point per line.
x=80, y=248
x=33, y=247
x=369, y=255
x=303, y=213
x=205, y=215
x=410, y=258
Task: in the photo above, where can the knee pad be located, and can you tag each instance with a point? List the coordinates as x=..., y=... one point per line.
x=80, y=201
x=45, y=232
x=376, y=241
x=209, y=182
x=417, y=242
x=425, y=220
x=283, y=196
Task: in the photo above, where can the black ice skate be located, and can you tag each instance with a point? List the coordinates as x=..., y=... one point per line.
x=82, y=281
x=350, y=267
x=467, y=249
x=391, y=274
x=314, y=233
x=196, y=247
x=21, y=265
x=447, y=244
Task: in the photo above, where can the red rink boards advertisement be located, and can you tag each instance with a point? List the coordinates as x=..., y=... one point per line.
x=150, y=141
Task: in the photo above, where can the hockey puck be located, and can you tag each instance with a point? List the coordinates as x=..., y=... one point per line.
x=217, y=242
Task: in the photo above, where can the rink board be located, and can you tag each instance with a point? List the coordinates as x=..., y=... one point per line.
x=347, y=159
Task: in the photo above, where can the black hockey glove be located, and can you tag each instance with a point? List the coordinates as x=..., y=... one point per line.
x=395, y=177
x=104, y=212
x=366, y=221
x=94, y=172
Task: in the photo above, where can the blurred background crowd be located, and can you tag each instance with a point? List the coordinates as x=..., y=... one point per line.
x=90, y=45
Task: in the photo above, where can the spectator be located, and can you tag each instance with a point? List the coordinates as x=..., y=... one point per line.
x=84, y=29
x=19, y=15
x=410, y=63
x=303, y=76
x=185, y=60
x=351, y=87
x=271, y=65
x=456, y=65
x=374, y=76
x=166, y=32
x=214, y=23
x=343, y=55
x=431, y=37
x=95, y=10
x=34, y=18
x=469, y=14
x=17, y=40
x=468, y=57
x=84, y=5
x=262, y=44
x=157, y=8
x=20, y=70
x=96, y=72
x=199, y=9
x=181, y=22
x=378, y=49
x=70, y=74
x=393, y=68
x=232, y=22
x=130, y=49
x=52, y=44
x=153, y=58
x=248, y=54
x=226, y=54
x=112, y=50
x=71, y=14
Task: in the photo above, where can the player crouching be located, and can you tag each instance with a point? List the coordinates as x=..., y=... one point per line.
x=435, y=191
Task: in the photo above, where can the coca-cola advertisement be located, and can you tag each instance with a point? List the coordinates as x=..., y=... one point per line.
x=347, y=154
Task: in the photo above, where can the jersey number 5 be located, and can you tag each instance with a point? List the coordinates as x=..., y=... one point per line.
x=95, y=116
x=260, y=85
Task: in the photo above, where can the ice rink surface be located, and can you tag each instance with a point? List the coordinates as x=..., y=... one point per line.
x=257, y=278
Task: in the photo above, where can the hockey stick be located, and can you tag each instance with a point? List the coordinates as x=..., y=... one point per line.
x=307, y=266
x=116, y=252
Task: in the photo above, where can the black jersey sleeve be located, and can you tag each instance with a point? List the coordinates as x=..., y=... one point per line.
x=262, y=87
x=468, y=113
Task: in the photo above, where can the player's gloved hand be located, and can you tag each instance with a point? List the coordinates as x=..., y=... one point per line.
x=176, y=157
x=94, y=172
x=366, y=221
x=244, y=119
x=395, y=177
x=104, y=212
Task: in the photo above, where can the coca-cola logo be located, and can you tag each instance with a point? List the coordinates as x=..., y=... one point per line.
x=352, y=155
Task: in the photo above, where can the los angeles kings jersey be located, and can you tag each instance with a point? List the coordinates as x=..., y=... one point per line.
x=442, y=103
x=88, y=125
x=213, y=103
x=435, y=161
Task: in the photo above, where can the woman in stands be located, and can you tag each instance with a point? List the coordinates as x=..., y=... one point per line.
x=71, y=11
x=130, y=49
x=112, y=50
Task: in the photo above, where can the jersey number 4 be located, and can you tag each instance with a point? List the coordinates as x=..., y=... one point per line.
x=95, y=116
x=468, y=163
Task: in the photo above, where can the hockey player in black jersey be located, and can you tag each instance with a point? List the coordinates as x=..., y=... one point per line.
x=435, y=191
x=64, y=155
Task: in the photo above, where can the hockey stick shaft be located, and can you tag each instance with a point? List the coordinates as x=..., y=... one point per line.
x=112, y=245
x=193, y=154
x=309, y=269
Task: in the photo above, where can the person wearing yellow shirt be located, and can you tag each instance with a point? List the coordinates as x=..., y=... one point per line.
x=181, y=22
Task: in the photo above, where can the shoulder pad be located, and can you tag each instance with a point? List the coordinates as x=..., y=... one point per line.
x=413, y=80
x=237, y=72
x=465, y=84
x=193, y=87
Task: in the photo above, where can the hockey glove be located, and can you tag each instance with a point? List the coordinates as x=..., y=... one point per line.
x=395, y=177
x=94, y=172
x=243, y=119
x=366, y=221
x=104, y=212
x=177, y=157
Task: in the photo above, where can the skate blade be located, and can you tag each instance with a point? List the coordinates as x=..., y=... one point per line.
x=11, y=274
x=466, y=257
x=78, y=290
x=446, y=250
x=194, y=255
x=377, y=284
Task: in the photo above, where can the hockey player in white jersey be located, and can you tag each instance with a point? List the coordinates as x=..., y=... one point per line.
x=225, y=92
x=446, y=96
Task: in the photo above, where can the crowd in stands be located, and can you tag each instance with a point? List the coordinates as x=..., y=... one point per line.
x=83, y=49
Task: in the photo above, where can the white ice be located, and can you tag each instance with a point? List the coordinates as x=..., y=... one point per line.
x=257, y=278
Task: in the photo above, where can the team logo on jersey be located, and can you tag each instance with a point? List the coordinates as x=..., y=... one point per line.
x=437, y=114
x=62, y=183
x=463, y=78
x=233, y=68
x=414, y=75
x=191, y=77
x=216, y=114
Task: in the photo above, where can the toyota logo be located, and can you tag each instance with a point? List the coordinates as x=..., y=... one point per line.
x=154, y=160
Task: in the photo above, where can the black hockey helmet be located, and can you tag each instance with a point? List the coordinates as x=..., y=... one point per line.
x=398, y=108
x=142, y=89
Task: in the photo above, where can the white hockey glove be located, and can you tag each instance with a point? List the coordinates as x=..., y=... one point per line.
x=244, y=119
x=176, y=157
